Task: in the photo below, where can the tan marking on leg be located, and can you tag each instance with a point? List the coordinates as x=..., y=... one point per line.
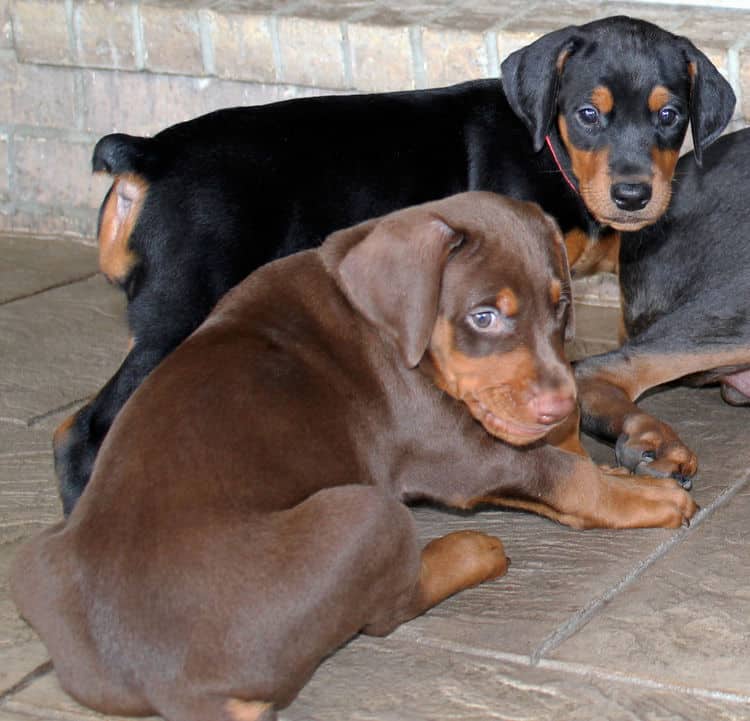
x=592, y=498
x=589, y=255
x=118, y=218
x=246, y=710
x=458, y=561
x=602, y=99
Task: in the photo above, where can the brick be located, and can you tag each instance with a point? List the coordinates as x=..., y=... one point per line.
x=41, y=32
x=311, y=52
x=171, y=37
x=105, y=35
x=143, y=104
x=453, y=56
x=56, y=173
x=745, y=83
x=381, y=58
x=508, y=41
x=242, y=46
x=4, y=181
x=6, y=26
x=38, y=221
x=36, y=95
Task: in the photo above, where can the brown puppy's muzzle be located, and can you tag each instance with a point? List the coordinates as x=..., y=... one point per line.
x=516, y=414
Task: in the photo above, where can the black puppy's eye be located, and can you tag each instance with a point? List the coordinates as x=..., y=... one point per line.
x=588, y=115
x=667, y=117
x=487, y=320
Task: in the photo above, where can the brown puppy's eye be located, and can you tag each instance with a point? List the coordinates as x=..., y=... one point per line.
x=561, y=306
x=488, y=320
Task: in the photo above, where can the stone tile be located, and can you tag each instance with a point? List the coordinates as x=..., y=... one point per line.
x=242, y=46
x=105, y=35
x=381, y=58
x=45, y=699
x=30, y=264
x=40, y=30
x=452, y=56
x=56, y=173
x=312, y=52
x=556, y=572
x=685, y=621
x=396, y=679
x=171, y=37
x=36, y=95
x=28, y=490
x=61, y=347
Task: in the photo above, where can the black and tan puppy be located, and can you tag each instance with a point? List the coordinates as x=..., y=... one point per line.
x=246, y=514
x=686, y=302
x=588, y=122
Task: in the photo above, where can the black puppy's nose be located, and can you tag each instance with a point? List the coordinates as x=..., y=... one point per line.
x=631, y=196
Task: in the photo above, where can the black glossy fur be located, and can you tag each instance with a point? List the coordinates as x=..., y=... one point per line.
x=232, y=190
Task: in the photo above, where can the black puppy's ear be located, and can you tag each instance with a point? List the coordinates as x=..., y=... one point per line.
x=531, y=79
x=712, y=99
x=393, y=277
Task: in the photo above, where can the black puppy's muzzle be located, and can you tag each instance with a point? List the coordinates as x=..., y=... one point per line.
x=631, y=196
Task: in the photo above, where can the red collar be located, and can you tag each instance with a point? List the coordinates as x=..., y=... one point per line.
x=559, y=165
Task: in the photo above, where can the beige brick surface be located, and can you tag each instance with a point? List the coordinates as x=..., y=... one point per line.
x=6, y=26
x=242, y=46
x=40, y=30
x=381, y=58
x=143, y=104
x=453, y=56
x=105, y=35
x=311, y=52
x=4, y=184
x=171, y=37
x=36, y=94
x=54, y=222
x=745, y=82
x=56, y=173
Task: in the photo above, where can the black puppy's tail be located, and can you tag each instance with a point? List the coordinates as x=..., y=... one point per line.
x=119, y=153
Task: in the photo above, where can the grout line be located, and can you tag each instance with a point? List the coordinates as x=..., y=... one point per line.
x=572, y=668
x=36, y=420
x=580, y=619
x=54, y=286
x=28, y=679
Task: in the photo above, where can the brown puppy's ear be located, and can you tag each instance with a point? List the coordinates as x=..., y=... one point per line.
x=712, y=99
x=393, y=277
x=561, y=253
x=531, y=79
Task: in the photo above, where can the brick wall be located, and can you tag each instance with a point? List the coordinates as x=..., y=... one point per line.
x=73, y=70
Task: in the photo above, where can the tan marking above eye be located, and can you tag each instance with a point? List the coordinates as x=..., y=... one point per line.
x=507, y=302
x=602, y=99
x=658, y=98
x=555, y=291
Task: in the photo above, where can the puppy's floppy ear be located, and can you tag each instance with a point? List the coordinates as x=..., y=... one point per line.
x=531, y=79
x=393, y=277
x=712, y=99
x=560, y=251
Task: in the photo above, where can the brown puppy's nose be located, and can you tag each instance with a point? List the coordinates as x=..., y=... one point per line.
x=552, y=407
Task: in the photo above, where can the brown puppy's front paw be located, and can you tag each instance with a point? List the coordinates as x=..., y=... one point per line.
x=470, y=557
x=637, y=502
x=649, y=447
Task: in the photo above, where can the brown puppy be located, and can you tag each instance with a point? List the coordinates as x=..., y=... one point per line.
x=246, y=515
